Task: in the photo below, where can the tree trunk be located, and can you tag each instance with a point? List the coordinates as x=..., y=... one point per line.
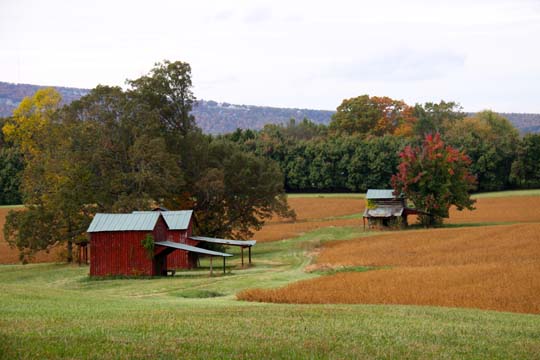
x=70, y=252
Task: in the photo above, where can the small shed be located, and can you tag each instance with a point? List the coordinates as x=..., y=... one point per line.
x=384, y=209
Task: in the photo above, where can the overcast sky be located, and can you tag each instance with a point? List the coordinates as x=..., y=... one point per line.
x=307, y=54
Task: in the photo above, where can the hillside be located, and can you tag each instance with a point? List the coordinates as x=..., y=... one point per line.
x=220, y=118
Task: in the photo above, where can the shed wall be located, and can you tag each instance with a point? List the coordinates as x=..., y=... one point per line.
x=119, y=253
x=181, y=259
x=122, y=253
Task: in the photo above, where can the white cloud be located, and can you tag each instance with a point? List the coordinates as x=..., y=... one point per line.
x=286, y=53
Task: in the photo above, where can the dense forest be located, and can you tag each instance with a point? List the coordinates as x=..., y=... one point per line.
x=221, y=118
x=360, y=147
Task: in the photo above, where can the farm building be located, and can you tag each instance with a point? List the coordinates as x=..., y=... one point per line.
x=116, y=243
x=384, y=209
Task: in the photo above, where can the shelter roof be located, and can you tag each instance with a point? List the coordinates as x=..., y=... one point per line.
x=224, y=241
x=190, y=248
x=381, y=194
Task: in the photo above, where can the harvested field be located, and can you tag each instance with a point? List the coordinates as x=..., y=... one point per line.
x=492, y=268
x=505, y=244
x=281, y=231
x=10, y=255
x=499, y=209
x=312, y=213
x=322, y=208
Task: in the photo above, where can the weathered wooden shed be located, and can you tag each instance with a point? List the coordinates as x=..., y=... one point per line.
x=116, y=243
x=384, y=209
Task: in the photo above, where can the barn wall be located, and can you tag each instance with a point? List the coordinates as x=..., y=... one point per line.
x=180, y=259
x=119, y=253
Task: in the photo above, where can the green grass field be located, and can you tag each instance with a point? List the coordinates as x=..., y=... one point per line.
x=56, y=311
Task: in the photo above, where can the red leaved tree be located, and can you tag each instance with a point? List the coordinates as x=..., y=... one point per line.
x=434, y=177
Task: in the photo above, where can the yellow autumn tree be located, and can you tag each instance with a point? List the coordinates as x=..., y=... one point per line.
x=31, y=120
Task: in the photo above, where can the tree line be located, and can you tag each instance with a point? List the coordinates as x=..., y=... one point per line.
x=360, y=147
x=116, y=150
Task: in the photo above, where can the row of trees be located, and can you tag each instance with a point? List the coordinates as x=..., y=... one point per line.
x=116, y=150
x=360, y=148
x=119, y=151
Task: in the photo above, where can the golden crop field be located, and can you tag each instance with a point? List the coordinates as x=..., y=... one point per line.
x=311, y=214
x=321, y=208
x=499, y=209
x=493, y=268
x=486, y=267
x=314, y=213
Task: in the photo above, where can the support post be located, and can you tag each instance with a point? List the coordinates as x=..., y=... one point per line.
x=211, y=269
x=242, y=256
x=224, y=265
x=249, y=250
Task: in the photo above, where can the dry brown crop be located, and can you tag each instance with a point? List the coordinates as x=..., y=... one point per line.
x=502, y=209
x=491, y=268
x=321, y=208
x=315, y=213
x=312, y=214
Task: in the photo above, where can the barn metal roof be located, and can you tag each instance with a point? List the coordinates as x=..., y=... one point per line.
x=224, y=241
x=176, y=220
x=380, y=194
x=191, y=248
x=124, y=222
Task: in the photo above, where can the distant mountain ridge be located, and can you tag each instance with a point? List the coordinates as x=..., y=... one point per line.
x=219, y=118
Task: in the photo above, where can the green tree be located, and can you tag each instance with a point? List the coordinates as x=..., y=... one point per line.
x=47, y=174
x=526, y=168
x=490, y=140
x=11, y=167
x=434, y=118
x=236, y=191
x=167, y=89
x=365, y=115
x=434, y=177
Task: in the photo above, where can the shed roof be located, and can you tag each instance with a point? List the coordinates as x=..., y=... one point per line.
x=140, y=221
x=191, y=248
x=224, y=241
x=124, y=222
x=176, y=220
x=381, y=194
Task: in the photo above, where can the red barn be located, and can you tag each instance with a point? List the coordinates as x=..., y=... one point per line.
x=116, y=243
